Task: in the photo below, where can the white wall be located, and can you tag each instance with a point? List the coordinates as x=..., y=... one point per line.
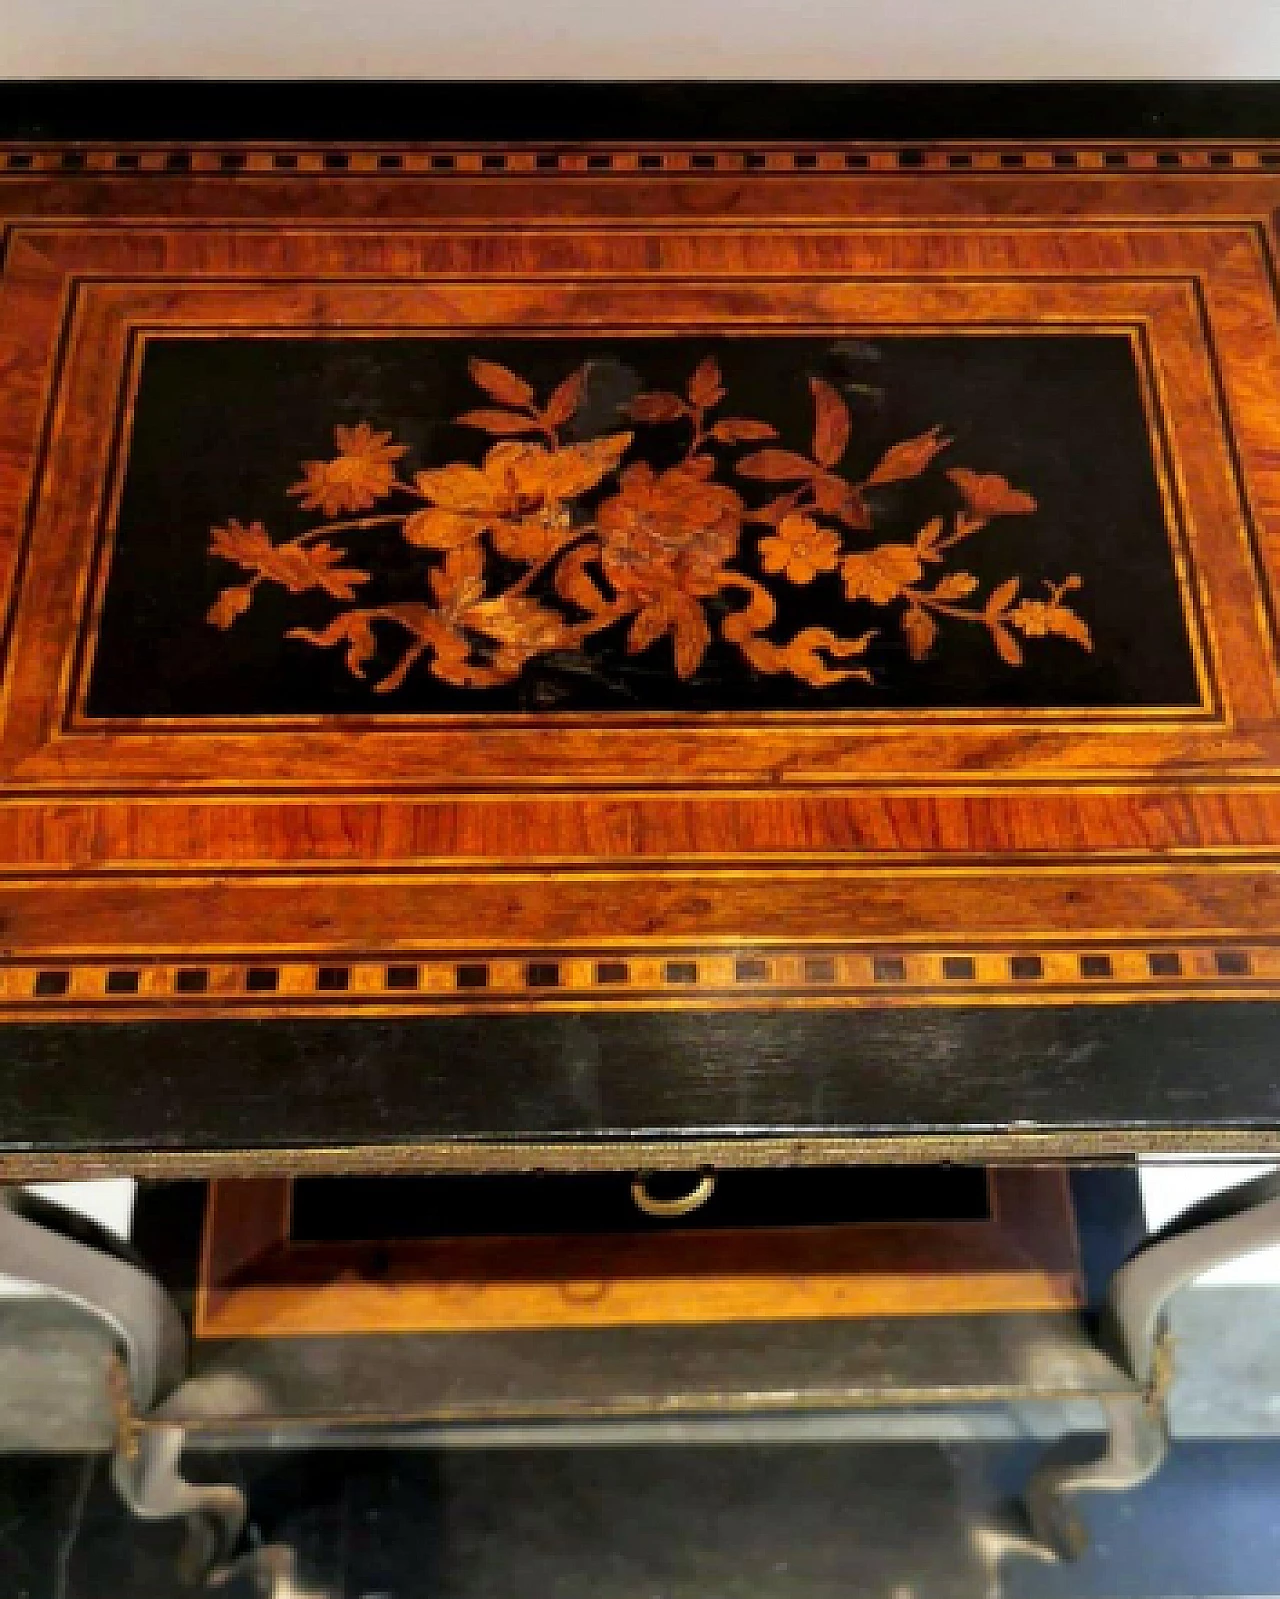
x=830, y=39
x=109, y=1201
x=1169, y=1187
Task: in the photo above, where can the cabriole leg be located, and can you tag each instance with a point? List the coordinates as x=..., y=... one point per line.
x=1135, y=1446
x=1227, y=1225
x=57, y=1253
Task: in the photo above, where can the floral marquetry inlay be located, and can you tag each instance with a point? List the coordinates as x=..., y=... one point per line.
x=683, y=524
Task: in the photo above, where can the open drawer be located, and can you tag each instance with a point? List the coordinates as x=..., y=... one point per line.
x=475, y=1254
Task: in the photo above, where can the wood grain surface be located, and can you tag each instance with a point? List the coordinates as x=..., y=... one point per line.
x=386, y=864
x=257, y=1281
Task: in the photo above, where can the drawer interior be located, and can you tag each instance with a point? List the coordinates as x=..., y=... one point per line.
x=516, y=1252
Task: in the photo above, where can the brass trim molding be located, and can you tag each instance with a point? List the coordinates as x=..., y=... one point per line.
x=619, y=1153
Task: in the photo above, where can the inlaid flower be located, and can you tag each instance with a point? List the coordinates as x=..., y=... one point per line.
x=519, y=493
x=800, y=549
x=543, y=545
x=671, y=529
x=297, y=565
x=665, y=537
x=1051, y=618
x=881, y=574
x=362, y=472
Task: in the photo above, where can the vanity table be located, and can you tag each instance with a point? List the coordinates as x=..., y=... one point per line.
x=704, y=655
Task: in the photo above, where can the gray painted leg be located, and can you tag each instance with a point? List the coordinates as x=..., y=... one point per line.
x=1135, y=1447
x=1242, y=1219
x=142, y=1318
x=147, y=1473
x=39, y=1247
x=1225, y=1226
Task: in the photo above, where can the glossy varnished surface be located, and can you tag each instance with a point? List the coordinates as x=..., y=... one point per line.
x=593, y=802
x=786, y=1519
x=647, y=1089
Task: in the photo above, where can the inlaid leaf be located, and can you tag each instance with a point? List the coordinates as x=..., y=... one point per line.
x=742, y=430
x=776, y=466
x=954, y=586
x=575, y=584
x=459, y=579
x=1003, y=597
x=575, y=468
x=500, y=383
x=837, y=497
x=648, y=627
x=319, y=566
x=1007, y=647
x=692, y=635
x=457, y=487
x=565, y=399
x=907, y=459
x=700, y=466
x=422, y=620
x=656, y=407
x=927, y=539
x=231, y=603
x=500, y=422
x=706, y=387
x=988, y=494
x=440, y=529
x=920, y=631
x=530, y=539
x=831, y=423
x=772, y=511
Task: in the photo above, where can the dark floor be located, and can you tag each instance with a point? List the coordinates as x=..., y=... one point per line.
x=797, y=1521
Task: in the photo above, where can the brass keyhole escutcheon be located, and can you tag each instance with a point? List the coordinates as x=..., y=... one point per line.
x=680, y=1204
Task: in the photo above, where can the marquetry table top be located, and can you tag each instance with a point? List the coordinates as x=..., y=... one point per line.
x=626, y=652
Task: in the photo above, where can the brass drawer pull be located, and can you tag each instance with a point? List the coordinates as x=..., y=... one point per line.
x=681, y=1205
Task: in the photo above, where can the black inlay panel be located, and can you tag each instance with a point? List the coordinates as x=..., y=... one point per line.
x=222, y=426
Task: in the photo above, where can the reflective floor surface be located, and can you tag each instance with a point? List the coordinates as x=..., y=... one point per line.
x=901, y=1520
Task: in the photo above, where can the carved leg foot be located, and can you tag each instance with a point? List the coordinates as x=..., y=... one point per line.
x=1229, y=1224
x=147, y=1474
x=60, y=1254
x=1136, y=1444
x=55, y=1251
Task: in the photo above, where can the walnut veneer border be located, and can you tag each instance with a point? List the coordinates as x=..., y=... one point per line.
x=1060, y=860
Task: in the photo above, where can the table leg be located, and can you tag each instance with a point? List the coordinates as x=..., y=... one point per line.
x=1133, y=1327
x=51, y=1250
x=147, y=1472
